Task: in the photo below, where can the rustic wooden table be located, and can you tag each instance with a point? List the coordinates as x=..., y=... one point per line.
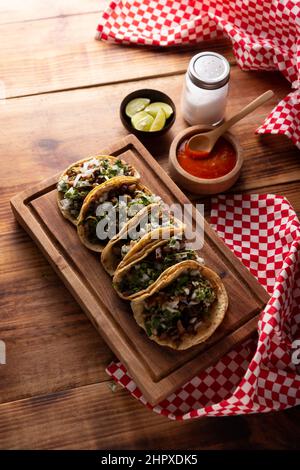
x=62, y=91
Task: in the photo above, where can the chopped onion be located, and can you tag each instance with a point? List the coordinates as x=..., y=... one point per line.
x=77, y=178
x=65, y=203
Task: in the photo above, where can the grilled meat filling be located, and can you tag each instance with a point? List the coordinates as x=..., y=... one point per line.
x=116, y=207
x=124, y=245
x=147, y=271
x=179, y=308
x=80, y=179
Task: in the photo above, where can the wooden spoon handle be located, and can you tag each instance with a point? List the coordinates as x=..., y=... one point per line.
x=244, y=112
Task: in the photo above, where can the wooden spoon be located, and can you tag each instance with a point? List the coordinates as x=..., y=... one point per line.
x=200, y=145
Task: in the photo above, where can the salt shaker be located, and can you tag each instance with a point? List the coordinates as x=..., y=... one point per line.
x=205, y=90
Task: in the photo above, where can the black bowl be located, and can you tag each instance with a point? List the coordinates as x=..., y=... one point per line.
x=153, y=95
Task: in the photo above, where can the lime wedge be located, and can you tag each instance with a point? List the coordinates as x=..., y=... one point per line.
x=142, y=121
x=159, y=121
x=153, y=109
x=136, y=105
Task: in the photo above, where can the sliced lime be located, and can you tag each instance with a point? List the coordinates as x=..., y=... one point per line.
x=142, y=121
x=159, y=121
x=153, y=109
x=136, y=105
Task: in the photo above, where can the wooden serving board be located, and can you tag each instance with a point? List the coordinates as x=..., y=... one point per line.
x=158, y=371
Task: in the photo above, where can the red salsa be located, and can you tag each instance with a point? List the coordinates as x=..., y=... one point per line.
x=220, y=161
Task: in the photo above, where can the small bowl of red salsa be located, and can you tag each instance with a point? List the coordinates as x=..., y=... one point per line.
x=209, y=174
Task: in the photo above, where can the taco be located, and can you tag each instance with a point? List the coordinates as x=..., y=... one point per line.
x=81, y=177
x=108, y=207
x=143, y=229
x=185, y=307
x=146, y=266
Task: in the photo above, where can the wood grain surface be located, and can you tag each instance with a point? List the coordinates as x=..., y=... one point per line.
x=157, y=371
x=53, y=389
x=62, y=54
x=18, y=11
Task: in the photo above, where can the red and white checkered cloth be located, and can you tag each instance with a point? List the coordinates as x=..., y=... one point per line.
x=265, y=35
x=255, y=377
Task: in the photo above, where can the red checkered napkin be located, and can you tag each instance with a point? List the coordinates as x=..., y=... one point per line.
x=255, y=377
x=265, y=35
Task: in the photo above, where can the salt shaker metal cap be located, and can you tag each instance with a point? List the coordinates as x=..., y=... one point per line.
x=209, y=70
